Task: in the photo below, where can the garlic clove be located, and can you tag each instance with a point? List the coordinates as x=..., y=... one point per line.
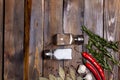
x=88, y=77
x=81, y=69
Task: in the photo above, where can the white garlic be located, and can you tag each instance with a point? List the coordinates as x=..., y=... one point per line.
x=88, y=77
x=81, y=69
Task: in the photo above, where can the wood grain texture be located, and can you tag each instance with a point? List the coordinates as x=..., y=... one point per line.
x=29, y=30
x=73, y=19
x=36, y=40
x=27, y=13
x=52, y=26
x=119, y=45
x=14, y=35
x=1, y=37
x=111, y=29
x=93, y=17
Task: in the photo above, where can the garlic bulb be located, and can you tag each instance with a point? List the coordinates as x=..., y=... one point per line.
x=88, y=77
x=81, y=69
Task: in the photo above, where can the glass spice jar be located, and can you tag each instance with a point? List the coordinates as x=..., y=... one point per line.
x=58, y=54
x=68, y=39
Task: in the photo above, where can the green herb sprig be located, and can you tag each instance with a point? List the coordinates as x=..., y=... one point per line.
x=98, y=47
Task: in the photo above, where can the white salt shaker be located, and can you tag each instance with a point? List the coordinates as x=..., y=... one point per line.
x=58, y=54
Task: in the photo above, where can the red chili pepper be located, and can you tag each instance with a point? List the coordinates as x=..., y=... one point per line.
x=91, y=68
x=95, y=63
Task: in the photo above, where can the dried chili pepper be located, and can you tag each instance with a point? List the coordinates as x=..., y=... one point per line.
x=95, y=63
x=99, y=48
x=92, y=69
x=99, y=57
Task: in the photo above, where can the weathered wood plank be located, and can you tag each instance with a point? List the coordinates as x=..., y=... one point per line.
x=118, y=35
x=52, y=26
x=27, y=13
x=1, y=37
x=73, y=19
x=14, y=34
x=119, y=45
x=93, y=17
x=111, y=29
x=36, y=40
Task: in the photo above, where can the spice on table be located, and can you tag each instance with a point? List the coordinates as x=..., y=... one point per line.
x=108, y=44
x=88, y=77
x=58, y=54
x=99, y=48
x=98, y=56
x=92, y=69
x=68, y=39
x=88, y=57
x=81, y=69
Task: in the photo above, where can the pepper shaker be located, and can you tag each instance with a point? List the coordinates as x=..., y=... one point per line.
x=68, y=39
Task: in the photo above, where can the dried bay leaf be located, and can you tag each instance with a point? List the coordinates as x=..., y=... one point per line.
x=58, y=78
x=72, y=73
x=79, y=78
x=52, y=77
x=68, y=78
x=61, y=73
x=42, y=78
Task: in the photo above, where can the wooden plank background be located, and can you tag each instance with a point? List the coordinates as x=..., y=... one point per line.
x=73, y=19
x=29, y=26
x=112, y=29
x=36, y=40
x=52, y=26
x=93, y=17
x=1, y=37
x=14, y=39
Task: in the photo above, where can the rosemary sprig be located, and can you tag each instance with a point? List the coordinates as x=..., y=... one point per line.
x=99, y=57
x=111, y=45
x=98, y=46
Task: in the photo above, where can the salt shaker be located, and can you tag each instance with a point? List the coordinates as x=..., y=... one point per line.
x=58, y=54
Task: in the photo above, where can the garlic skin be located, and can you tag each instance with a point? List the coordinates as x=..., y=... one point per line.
x=81, y=69
x=88, y=77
